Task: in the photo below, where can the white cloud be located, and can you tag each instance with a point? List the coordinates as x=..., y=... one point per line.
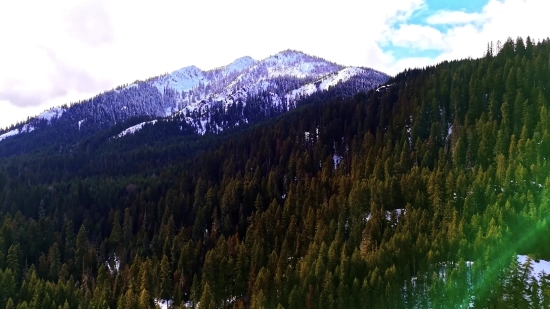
x=418, y=36
x=467, y=34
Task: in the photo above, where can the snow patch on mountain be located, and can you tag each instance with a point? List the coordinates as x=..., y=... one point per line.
x=134, y=129
x=191, y=77
x=183, y=79
x=24, y=129
x=239, y=65
x=130, y=86
x=9, y=134
x=384, y=87
x=303, y=91
x=340, y=76
x=246, y=77
x=52, y=113
x=292, y=63
x=287, y=63
x=326, y=82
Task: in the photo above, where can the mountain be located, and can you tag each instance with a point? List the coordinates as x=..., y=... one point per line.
x=243, y=92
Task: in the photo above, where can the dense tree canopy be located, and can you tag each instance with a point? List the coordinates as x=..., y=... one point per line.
x=418, y=194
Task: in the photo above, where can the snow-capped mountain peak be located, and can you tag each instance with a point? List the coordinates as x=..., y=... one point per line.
x=297, y=64
x=239, y=65
x=246, y=90
x=183, y=79
x=54, y=112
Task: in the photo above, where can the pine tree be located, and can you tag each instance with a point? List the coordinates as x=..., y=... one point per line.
x=10, y=304
x=12, y=262
x=127, y=228
x=70, y=241
x=165, y=278
x=54, y=260
x=207, y=299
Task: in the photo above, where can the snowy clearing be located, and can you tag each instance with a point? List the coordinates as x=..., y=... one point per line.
x=134, y=129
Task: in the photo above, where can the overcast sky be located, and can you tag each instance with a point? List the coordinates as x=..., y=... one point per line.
x=56, y=52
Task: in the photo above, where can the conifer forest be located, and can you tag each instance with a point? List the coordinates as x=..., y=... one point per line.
x=420, y=193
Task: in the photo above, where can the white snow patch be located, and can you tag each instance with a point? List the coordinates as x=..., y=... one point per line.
x=240, y=64
x=231, y=300
x=336, y=159
x=399, y=212
x=24, y=129
x=163, y=303
x=52, y=113
x=327, y=81
x=168, y=111
x=80, y=123
x=134, y=129
x=184, y=79
x=9, y=134
x=340, y=76
x=115, y=268
x=384, y=87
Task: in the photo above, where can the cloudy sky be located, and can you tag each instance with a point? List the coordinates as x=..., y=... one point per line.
x=59, y=51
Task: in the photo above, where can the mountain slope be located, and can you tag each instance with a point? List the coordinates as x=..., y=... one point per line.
x=366, y=201
x=243, y=92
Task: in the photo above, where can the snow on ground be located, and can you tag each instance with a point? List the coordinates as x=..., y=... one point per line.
x=163, y=303
x=116, y=267
x=247, y=77
x=189, y=78
x=9, y=134
x=131, y=86
x=399, y=213
x=340, y=76
x=325, y=82
x=52, y=113
x=80, y=123
x=169, y=111
x=305, y=90
x=336, y=159
x=134, y=129
x=27, y=129
x=24, y=129
x=284, y=64
x=239, y=64
x=383, y=87
x=184, y=79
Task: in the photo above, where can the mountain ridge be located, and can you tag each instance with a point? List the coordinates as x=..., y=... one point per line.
x=195, y=94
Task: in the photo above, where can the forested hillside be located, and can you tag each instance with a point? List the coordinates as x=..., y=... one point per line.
x=418, y=194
